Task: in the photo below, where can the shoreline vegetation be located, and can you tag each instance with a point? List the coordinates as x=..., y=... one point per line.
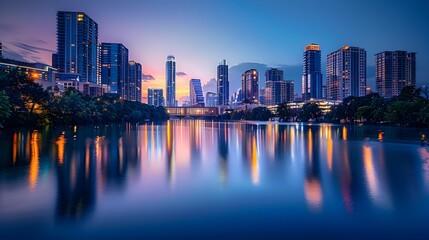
x=409, y=109
x=25, y=103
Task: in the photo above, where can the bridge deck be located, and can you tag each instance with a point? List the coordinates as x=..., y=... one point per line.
x=192, y=111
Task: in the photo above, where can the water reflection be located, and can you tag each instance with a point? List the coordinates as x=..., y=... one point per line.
x=330, y=167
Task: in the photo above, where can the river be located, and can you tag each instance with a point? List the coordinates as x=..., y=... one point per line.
x=204, y=179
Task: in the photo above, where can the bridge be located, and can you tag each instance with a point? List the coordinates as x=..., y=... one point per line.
x=192, y=111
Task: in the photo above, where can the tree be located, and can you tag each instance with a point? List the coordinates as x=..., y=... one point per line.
x=309, y=111
x=261, y=114
x=5, y=108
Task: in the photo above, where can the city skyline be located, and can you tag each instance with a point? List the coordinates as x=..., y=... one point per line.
x=197, y=58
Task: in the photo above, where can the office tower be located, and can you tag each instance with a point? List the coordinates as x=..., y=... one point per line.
x=393, y=71
x=312, y=72
x=262, y=95
x=324, y=91
x=211, y=99
x=275, y=87
x=196, y=96
x=114, y=69
x=170, y=78
x=250, y=85
x=135, y=81
x=77, y=46
x=155, y=97
x=222, y=83
x=290, y=93
x=346, y=73
x=55, y=62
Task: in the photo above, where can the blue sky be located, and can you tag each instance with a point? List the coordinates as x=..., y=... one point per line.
x=200, y=33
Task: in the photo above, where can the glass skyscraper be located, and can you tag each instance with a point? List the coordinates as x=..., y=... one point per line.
x=312, y=74
x=155, y=97
x=77, y=45
x=346, y=73
x=222, y=83
x=170, y=81
x=134, y=85
x=275, y=87
x=250, y=85
x=196, y=96
x=394, y=71
x=114, y=69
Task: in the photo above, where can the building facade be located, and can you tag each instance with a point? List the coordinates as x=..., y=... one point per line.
x=155, y=97
x=250, y=85
x=346, y=73
x=393, y=71
x=222, y=83
x=77, y=46
x=114, y=68
x=196, y=96
x=312, y=72
x=290, y=91
x=275, y=87
x=211, y=99
x=170, y=84
x=133, y=89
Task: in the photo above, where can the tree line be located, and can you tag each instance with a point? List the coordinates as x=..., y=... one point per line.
x=409, y=109
x=24, y=102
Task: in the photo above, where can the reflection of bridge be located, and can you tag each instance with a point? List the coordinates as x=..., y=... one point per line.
x=192, y=111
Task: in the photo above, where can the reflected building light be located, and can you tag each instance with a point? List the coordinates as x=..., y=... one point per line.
x=87, y=157
x=377, y=193
x=313, y=193
x=310, y=144
x=15, y=148
x=380, y=136
x=121, y=155
x=61, y=141
x=346, y=179
x=254, y=162
x=424, y=155
x=34, y=161
x=292, y=143
x=344, y=133
x=329, y=153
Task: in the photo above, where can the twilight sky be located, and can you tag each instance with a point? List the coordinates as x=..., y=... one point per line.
x=248, y=33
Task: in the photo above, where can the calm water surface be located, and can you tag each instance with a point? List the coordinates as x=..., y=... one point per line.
x=204, y=179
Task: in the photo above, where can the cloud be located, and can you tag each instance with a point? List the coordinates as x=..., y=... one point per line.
x=148, y=77
x=181, y=74
x=30, y=48
x=210, y=86
x=9, y=53
x=8, y=28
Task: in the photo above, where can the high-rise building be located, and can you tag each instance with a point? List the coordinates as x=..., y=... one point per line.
x=114, y=68
x=134, y=86
x=196, y=96
x=275, y=87
x=222, y=83
x=55, y=62
x=393, y=71
x=211, y=99
x=170, y=78
x=312, y=72
x=155, y=97
x=77, y=45
x=262, y=96
x=346, y=73
x=250, y=85
x=290, y=93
